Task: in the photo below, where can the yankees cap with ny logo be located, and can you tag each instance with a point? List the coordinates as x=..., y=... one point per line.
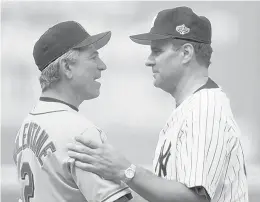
x=178, y=23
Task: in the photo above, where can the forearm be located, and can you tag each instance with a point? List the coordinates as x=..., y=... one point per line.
x=155, y=189
x=110, y=164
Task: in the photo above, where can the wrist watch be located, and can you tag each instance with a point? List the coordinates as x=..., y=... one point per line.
x=129, y=173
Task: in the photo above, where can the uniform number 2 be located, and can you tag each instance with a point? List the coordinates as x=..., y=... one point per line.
x=28, y=191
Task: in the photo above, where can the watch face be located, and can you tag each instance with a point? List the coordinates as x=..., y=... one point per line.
x=129, y=173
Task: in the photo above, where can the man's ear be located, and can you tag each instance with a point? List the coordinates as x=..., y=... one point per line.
x=187, y=53
x=66, y=69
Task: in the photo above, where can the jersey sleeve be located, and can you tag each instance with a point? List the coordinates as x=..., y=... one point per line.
x=201, y=149
x=92, y=186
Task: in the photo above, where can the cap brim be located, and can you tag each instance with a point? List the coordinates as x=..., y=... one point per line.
x=98, y=40
x=146, y=38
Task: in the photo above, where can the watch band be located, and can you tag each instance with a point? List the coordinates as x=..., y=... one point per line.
x=129, y=173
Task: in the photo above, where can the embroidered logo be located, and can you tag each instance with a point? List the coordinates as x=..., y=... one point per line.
x=161, y=166
x=182, y=29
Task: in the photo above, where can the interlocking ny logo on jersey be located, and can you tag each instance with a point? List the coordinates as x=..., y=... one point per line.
x=182, y=29
x=163, y=160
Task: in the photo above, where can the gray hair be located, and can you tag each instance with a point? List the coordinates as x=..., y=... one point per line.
x=202, y=51
x=51, y=74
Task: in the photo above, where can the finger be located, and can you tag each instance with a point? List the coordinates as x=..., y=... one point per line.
x=87, y=142
x=81, y=157
x=80, y=148
x=85, y=166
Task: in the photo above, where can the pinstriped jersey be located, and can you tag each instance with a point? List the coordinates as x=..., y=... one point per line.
x=45, y=171
x=200, y=147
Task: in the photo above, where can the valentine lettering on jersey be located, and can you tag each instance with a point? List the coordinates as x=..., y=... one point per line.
x=33, y=138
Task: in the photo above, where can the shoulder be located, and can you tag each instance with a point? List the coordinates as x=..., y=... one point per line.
x=65, y=126
x=209, y=107
x=215, y=95
x=209, y=100
x=78, y=119
x=89, y=128
x=71, y=121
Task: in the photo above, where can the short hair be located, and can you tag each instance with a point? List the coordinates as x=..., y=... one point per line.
x=51, y=74
x=202, y=51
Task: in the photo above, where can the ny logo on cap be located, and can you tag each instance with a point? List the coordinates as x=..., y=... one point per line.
x=182, y=29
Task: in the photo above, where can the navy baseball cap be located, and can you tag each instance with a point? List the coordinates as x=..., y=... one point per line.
x=179, y=23
x=63, y=37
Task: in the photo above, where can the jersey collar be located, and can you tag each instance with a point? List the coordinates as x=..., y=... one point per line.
x=208, y=85
x=49, y=99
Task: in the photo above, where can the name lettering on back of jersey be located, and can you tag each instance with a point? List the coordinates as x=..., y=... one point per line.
x=33, y=138
x=163, y=160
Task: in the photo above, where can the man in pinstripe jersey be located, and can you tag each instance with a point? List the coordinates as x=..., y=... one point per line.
x=199, y=156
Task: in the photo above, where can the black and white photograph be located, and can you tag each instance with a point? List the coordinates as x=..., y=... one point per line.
x=141, y=101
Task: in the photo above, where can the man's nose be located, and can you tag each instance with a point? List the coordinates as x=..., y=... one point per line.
x=101, y=65
x=150, y=62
